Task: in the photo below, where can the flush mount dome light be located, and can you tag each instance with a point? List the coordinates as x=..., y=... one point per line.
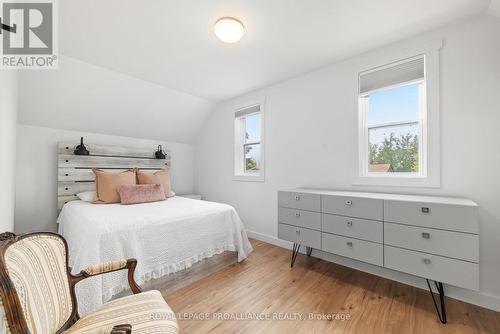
x=229, y=29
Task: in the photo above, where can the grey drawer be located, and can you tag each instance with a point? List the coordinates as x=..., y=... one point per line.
x=307, y=219
x=368, y=208
x=300, y=235
x=442, y=269
x=370, y=230
x=458, y=245
x=297, y=200
x=365, y=251
x=434, y=215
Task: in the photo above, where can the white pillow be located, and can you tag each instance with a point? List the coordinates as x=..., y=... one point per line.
x=87, y=196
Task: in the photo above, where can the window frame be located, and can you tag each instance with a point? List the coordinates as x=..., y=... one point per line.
x=431, y=123
x=239, y=170
x=364, y=131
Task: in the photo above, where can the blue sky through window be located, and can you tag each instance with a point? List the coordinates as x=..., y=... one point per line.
x=252, y=152
x=252, y=126
x=394, y=105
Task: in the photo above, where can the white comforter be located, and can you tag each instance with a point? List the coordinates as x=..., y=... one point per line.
x=164, y=237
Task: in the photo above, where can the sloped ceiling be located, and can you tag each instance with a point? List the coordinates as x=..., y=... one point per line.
x=83, y=97
x=171, y=42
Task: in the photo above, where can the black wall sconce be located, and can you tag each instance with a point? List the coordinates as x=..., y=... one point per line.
x=81, y=149
x=160, y=154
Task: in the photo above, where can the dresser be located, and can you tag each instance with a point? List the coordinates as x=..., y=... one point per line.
x=435, y=238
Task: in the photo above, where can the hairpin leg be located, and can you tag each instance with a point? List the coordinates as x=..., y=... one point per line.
x=440, y=289
x=309, y=251
x=295, y=252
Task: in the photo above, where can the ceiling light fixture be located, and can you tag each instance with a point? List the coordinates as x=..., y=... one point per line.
x=229, y=29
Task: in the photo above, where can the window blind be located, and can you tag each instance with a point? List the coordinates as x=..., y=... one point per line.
x=247, y=111
x=385, y=76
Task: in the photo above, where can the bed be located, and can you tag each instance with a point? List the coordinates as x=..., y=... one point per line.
x=165, y=237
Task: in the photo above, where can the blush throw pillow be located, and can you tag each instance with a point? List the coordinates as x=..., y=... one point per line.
x=108, y=184
x=160, y=177
x=141, y=193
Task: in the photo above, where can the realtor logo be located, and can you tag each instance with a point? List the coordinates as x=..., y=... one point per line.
x=28, y=34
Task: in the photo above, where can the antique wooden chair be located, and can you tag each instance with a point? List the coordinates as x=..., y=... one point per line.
x=38, y=292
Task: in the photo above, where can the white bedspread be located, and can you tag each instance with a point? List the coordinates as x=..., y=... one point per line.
x=164, y=237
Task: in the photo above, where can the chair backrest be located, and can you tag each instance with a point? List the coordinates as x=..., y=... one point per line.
x=35, y=265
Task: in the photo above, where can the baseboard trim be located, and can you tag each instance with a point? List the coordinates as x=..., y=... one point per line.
x=472, y=297
x=269, y=239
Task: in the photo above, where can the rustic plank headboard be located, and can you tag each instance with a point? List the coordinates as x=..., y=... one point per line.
x=74, y=172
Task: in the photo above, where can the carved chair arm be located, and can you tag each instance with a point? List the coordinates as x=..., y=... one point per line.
x=110, y=267
x=105, y=267
x=122, y=329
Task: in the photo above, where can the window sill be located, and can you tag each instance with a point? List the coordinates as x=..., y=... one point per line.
x=249, y=178
x=397, y=181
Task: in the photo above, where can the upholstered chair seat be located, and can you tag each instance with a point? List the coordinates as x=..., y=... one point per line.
x=38, y=293
x=146, y=312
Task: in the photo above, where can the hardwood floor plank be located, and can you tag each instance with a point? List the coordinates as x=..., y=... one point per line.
x=265, y=284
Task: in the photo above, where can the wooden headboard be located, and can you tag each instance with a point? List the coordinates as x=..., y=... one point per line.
x=74, y=172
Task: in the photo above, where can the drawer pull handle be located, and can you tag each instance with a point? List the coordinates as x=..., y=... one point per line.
x=349, y=223
x=297, y=214
x=426, y=235
x=426, y=210
x=349, y=243
x=426, y=261
x=297, y=197
x=348, y=202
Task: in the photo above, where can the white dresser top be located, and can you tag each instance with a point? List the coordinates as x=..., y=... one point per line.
x=392, y=197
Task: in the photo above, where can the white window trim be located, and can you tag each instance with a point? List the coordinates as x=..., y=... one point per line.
x=364, y=131
x=238, y=144
x=430, y=136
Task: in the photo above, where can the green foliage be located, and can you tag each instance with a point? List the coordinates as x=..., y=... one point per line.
x=400, y=152
x=250, y=162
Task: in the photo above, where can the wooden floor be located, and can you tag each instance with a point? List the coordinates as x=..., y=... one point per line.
x=265, y=286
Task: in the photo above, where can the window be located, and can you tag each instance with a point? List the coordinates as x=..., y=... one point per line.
x=392, y=118
x=249, y=144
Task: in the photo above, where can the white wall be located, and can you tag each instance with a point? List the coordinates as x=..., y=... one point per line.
x=90, y=101
x=311, y=127
x=8, y=119
x=36, y=172
x=83, y=97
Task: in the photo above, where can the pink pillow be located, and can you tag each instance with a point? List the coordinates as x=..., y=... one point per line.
x=141, y=193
